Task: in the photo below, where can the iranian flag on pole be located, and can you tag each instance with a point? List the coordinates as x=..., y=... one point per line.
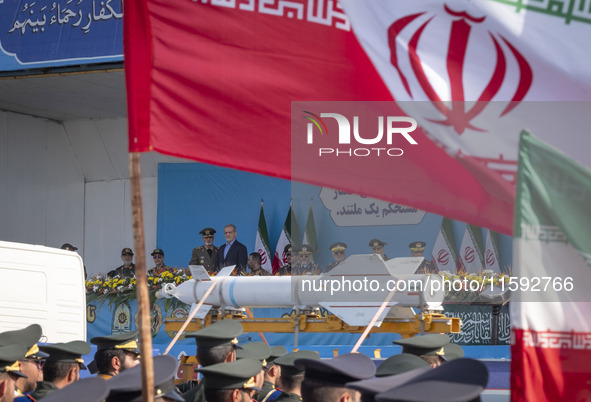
x=551, y=334
x=261, y=244
x=471, y=258
x=285, y=238
x=310, y=233
x=444, y=254
x=491, y=252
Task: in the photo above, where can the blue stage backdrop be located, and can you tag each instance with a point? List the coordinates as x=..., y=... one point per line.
x=192, y=196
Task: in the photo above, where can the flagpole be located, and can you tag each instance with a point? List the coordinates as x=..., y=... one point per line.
x=373, y=321
x=147, y=364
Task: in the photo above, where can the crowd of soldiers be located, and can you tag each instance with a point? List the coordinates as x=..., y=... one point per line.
x=297, y=260
x=429, y=368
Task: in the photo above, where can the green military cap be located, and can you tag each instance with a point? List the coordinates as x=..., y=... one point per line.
x=9, y=356
x=276, y=351
x=452, y=351
x=305, y=249
x=288, y=249
x=338, y=246
x=127, y=386
x=369, y=388
x=157, y=251
x=287, y=361
x=377, y=243
x=417, y=245
x=254, y=350
x=127, y=341
x=126, y=250
x=207, y=232
x=236, y=375
x=29, y=337
x=399, y=364
x=93, y=389
x=69, y=352
x=338, y=370
x=69, y=247
x=424, y=345
x=221, y=333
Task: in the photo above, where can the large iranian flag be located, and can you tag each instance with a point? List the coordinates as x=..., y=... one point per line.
x=208, y=80
x=310, y=233
x=444, y=254
x=551, y=334
x=261, y=244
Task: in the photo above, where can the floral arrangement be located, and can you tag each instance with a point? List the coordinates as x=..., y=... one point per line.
x=485, y=287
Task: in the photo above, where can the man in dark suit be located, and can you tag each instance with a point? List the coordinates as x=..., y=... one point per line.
x=233, y=252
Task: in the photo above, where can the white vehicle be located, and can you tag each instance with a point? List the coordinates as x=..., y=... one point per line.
x=45, y=286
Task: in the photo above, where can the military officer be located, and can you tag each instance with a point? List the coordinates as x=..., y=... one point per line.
x=417, y=248
x=215, y=344
x=286, y=269
x=93, y=389
x=10, y=354
x=257, y=351
x=305, y=264
x=158, y=256
x=399, y=364
x=62, y=367
x=377, y=247
x=291, y=377
x=254, y=265
x=338, y=254
x=272, y=371
x=206, y=255
x=429, y=347
x=116, y=353
x=231, y=382
x=127, y=270
x=324, y=380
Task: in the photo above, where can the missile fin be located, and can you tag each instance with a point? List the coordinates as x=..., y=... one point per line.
x=203, y=310
x=199, y=273
x=226, y=271
x=357, y=313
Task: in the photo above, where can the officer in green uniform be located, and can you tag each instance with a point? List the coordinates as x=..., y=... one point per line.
x=417, y=248
x=115, y=353
x=291, y=377
x=206, y=255
x=305, y=264
x=430, y=347
x=215, y=344
x=338, y=253
x=254, y=265
x=10, y=354
x=256, y=351
x=377, y=247
x=286, y=269
x=127, y=270
x=272, y=371
x=128, y=386
x=399, y=364
x=158, y=256
x=62, y=367
x=93, y=389
x=325, y=380
x=231, y=382
x=33, y=360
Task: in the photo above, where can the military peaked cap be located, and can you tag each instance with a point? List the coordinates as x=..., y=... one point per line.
x=221, y=333
x=424, y=345
x=157, y=251
x=377, y=243
x=276, y=351
x=288, y=249
x=93, y=389
x=378, y=385
x=68, y=246
x=287, y=361
x=254, y=350
x=417, y=245
x=126, y=341
x=339, y=370
x=29, y=337
x=207, y=232
x=338, y=246
x=452, y=351
x=399, y=364
x=236, y=375
x=126, y=250
x=67, y=352
x=9, y=356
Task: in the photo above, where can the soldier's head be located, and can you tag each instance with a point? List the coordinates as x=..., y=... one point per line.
x=272, y=370
x=127, y=256
x=338, y=251
x=9, y=369
x=64, y=362
x=430, y=347
x=287, y=251
x=230, y=233
x=116, y=353
x=417, y=248
x=305, y=254
x=377, y=246
x=217, y=343
x=231, y=382
x=254, y=261
x=158, y=256
x=207, y=236
x=291, y=376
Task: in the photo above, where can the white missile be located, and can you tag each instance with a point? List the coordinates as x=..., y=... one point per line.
x=353, y=291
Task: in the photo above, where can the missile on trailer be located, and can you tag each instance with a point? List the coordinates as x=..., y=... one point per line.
x=353, y=291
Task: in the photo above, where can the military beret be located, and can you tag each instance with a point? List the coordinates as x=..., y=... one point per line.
x=221, y=333
x=29, y=337
x=287, y=361
x=126, y=341
x=9, y=356
x=338, y=246
x=452, y=351
x=424, y=345
x=254, y=350
x=93, y=389
x=67, y=352
x=236, y=375
x=417, y=245
x=207, y=232
x=378, y=385
x=305, y=249
x=68, y=246
x=377, y=243
x=458, y=380
x=126, y=250
x=288, y=249
x=399, y=364
x=339, y=370
x=276, y=351
x=157, y=251
x=127, y=386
